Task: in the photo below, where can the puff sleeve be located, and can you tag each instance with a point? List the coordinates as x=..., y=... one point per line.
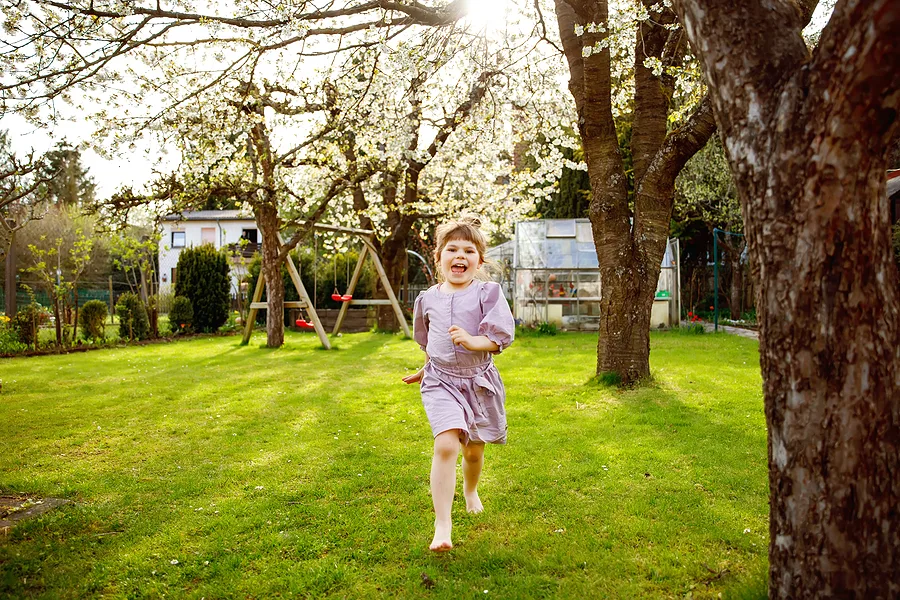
x=420, y=322
x=497, y=323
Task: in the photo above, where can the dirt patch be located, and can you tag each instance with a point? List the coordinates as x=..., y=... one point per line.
x=14, y=509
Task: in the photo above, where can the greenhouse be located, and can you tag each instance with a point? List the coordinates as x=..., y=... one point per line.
x=553, y=276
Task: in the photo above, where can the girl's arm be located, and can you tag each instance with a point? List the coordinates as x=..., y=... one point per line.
x=475, y=343
x=417, y=376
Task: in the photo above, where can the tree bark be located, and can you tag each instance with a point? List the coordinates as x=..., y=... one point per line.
x=806, y=137
x=57, y=318
x=267, y=219
x=630, y=243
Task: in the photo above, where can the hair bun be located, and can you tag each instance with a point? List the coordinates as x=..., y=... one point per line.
x=472, y=220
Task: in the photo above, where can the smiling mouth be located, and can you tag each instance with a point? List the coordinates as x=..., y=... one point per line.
x=458, y=269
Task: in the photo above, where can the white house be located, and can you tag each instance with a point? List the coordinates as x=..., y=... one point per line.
x=220, y=228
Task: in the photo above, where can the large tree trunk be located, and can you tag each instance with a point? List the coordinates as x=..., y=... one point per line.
x=623, y=347
x=630, y=242
x=806, y=138
x=267, y=219
x=393, y=254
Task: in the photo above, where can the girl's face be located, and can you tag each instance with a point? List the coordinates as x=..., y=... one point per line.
x=459, y=262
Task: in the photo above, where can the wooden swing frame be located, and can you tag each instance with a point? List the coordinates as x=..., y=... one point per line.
x=367, y=237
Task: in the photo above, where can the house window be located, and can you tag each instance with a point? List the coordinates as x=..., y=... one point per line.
x=249, y=235
x=208, y=235
x=178, y=239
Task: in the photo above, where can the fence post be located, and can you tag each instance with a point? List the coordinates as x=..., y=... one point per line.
x=112, y=304
x=716, y=279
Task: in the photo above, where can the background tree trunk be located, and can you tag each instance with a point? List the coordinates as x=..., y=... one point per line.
x=806, y=137
x=267, y=219
x=736, y=290
x=630, y=242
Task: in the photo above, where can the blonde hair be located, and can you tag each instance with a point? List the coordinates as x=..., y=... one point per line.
x=467, y=229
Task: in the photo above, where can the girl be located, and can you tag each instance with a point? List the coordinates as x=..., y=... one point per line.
x=460, y=323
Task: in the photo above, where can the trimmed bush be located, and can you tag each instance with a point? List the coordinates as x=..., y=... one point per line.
x=181, y=316
x=28, y=321
x=93, y=320
x=133, y=321
x=203, y=279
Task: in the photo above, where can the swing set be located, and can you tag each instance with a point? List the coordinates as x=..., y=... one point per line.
x=312, y=322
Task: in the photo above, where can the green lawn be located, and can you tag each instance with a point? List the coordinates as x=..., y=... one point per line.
x=202, y=469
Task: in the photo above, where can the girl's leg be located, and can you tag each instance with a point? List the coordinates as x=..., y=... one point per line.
x=473, y=460
x=443, y=486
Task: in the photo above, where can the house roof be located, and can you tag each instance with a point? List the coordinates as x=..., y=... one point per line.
x=209, y=215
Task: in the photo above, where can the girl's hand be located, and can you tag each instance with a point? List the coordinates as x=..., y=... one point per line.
x=415, y=377
x=461, y=337
x=475, y=343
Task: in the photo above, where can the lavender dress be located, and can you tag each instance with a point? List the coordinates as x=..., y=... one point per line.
x=462, y=389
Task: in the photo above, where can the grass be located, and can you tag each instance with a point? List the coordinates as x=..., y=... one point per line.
x=205, y=469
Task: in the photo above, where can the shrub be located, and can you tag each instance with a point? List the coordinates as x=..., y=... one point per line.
x=133, y=321
x=93, y=319
x=233, y=323
x=181, y=316
x=27, y=322
x=537, y=330
x=545, y=328
x=203, y=279
x=9, y=339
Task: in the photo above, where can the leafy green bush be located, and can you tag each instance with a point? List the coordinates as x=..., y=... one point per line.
x=27, y=322
x=181, y=316
x=133, y=321
x=233, y=323
x=536, y=330
x=9, y=339
x=545, y=328
x=203, y=279
x=93, y=320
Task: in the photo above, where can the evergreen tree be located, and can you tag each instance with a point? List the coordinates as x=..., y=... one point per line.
x=68, y=181
x=203, y=278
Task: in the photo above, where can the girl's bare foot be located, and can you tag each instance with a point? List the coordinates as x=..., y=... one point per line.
x=473, y=502
x=441, y=541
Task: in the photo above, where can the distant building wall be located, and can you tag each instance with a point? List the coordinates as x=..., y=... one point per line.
x=193, y=231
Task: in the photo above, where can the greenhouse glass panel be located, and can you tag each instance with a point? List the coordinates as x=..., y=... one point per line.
x=583, y=233
x=530, y=238
x=560, y=253
x=587, y=256
x=561, y=228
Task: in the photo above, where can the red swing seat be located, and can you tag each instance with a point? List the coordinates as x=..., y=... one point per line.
x=304, y=324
